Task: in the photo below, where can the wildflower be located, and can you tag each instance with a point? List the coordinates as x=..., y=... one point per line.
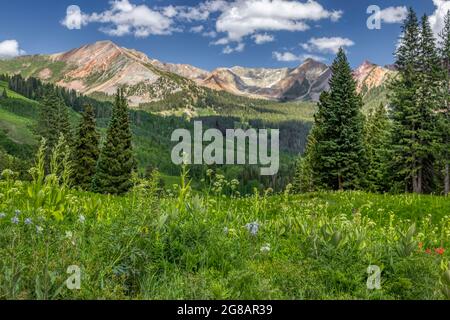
x=7, y=173
x=15, y=220
x=82, y=219
x=69, y=234
x=420, y=245
x=265, y=248
x=253, y=228
x=439, y=251
x=39, y=229
x=428, y=251
x=28, y=221
x=2, y=215
x=226, y=230
x=17, y=212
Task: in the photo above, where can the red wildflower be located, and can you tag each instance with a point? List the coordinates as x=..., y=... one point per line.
x=439, y=251
x=428, y=251
x=420, y=245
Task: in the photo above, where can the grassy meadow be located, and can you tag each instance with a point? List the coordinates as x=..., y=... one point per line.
x=182, y=244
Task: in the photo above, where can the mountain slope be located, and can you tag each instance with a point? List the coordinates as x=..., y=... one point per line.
x=302, y=83
x=100, y=68
x=103, y=67
x=369, y=76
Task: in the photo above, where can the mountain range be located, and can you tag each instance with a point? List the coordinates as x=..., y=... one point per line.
x=102, y=67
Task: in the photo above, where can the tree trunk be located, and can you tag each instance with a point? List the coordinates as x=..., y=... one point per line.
x=420, y=181
x=446, y=180
x=341, y=183
x=417, y=183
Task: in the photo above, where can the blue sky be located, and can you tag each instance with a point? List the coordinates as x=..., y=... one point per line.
x=252, y=33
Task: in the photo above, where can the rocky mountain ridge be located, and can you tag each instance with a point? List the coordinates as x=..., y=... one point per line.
x=104, y=66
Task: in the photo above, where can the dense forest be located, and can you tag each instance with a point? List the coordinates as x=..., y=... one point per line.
x=151, y=132
x=401, y=148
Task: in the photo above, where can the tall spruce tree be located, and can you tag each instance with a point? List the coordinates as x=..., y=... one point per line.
x=53, y=120
x=429, y=94
x=415, y=96
x=376, y=140
x=304, y=176
x=116, y=163
x=338, y=154
x=86, y=150
x=443, y=149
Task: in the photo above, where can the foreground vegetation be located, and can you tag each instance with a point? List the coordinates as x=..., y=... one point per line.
x=177, y=244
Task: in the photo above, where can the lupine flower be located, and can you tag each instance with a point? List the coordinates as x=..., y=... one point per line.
x=439, y=251
x=82, y=219
x=39, y=229
x=2, y=215
x=15, y=220
x=69, y=234
x=28, y=221
x=226, y=230
x=17, y=212
x=253, y=228
x=265, y=248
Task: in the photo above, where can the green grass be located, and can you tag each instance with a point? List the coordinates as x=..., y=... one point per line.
x=31, y=66
x=182, y=245
x=15, y=95
x=17, y=128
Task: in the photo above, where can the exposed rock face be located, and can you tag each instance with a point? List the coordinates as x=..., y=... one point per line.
x=184, y=70
x=369, y=76
x=104, y=66
x=45, y=74
x=305, y=82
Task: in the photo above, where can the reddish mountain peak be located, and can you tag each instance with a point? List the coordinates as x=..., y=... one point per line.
x=367, y=63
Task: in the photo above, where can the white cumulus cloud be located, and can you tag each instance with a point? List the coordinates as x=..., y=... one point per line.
x=234, y=21
x=393, y=14
x=197, y=29
x=209, y=34
x=242, y=18
x=437, y=19
x=202, y=11
x=238, y=48
x=124, y=18
x=10, y=49
x=263, y=38
x=290, y=57
x=327, y=45
x=170, y=11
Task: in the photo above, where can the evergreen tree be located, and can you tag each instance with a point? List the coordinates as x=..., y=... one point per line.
x=86, y=150
x=376, y=140
x=304, y=176
x=53, y=119
x=415, y=96
x=64, y=126
x=116, y=161
x=4, y=94
x=338, y=155
x=444, y=114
